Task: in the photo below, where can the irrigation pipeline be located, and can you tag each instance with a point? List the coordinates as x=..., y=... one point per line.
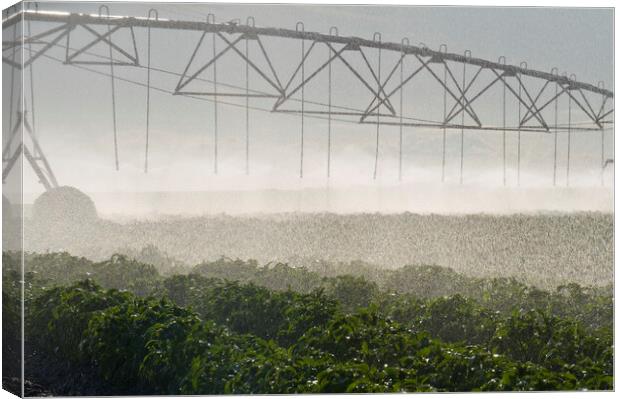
x=201, y=26
x=423, y=122
x=346, y=110
x=113, y=23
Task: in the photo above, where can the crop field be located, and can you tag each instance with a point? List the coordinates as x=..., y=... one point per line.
x=546, y=250
x=297, y=303
x=309, y=303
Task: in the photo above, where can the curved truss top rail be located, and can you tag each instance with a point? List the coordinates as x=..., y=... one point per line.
x=436, y=56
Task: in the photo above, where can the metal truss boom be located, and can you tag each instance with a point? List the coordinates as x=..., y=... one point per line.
x=466, y=97
x=123, y=21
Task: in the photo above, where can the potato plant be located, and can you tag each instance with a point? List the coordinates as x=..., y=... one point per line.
x=119, y=327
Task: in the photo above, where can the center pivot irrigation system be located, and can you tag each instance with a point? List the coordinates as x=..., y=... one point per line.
x=381, y=69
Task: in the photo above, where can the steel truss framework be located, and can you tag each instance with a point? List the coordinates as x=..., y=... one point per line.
x=460, y=96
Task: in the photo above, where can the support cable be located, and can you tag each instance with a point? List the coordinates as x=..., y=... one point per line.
x=332, y=31
x=377, y=37
x=32, y=113
x=519, y=143
x=403, y=42
x=12, y=95
x=601, y=85
x=445, y=109
x=148, y=88
x=555, y=133
x=211, y=20
x=569, y=136
x=303, y=78
x=467, y=55
x=522, y=65
x=502, y=59
x=112, y=83
x=504, y=136
x=247, y=99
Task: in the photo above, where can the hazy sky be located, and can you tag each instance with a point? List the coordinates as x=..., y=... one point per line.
x=73, y=107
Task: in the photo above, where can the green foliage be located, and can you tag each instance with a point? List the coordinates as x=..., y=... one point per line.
x=352, y=292
x=64, y=314
x=279, y=277
x=283, y=277
x=126, y=274
x=199, y=334
x=11, y=318
x=119, y=272
x=151, y=255
x=240, y=364
x=560, y=345
x=458, y=319
x=120, y=338
x=228, y=269
x=247, y=308
x=59, y=268
x=364, y=337
x=593, y=307
x=305, y=312
x=188, y=290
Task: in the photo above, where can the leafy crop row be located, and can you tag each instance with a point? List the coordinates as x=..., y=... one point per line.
x=118, y=327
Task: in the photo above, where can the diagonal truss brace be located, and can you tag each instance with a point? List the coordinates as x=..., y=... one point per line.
x=466, y=106
x=277, y=85
x=184, y=79
x=529, y=110
x=70, y=58
x=370, y=111
x=336, y=54
x=452, y=114
x=299, y=66
x=38, y=162
x=462, y=101
x=381, y=89
x=285, y=96
x=532, y=105
x=521, y=100
x=526, y=118
x=591, y=115
x=600, y=119
x=32, y=39
x=600, y=115
x=64, y=31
